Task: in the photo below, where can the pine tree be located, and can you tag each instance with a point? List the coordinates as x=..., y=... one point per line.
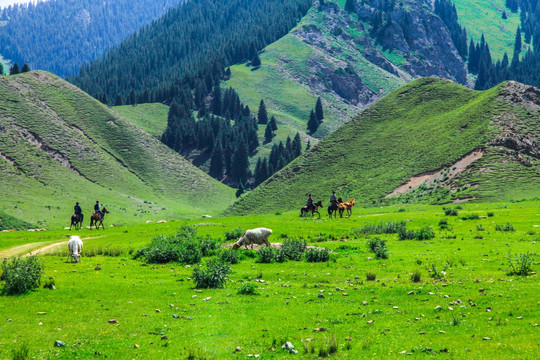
x=312, y=124
x=217, y=105
x=14, y=70
x=262, y=115
x=131, y=99
x=308, y=145
x=25, y=68
x=504, y=16
x=273, y=123
x=1, y=69
x=296, y=146
x=517, y=46
x=240, y=189
x=118, y=100
x=228, y=72
x=216, y=163
x=240, y=162
x=256, y=61
x=349, y=5
x=268, y=133
x=319, y=110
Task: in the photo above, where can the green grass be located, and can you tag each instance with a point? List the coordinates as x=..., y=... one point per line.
x=59, y=145
x=10, y=223
x=485, y=17
x=288, y=307
x=152, y=118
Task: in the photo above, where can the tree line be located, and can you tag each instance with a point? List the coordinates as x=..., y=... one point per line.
x=59, y=36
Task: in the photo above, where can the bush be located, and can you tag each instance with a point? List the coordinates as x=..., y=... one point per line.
x=480, y=227
x=378, y=247
x=229, y=256
x=450, y=212
x=506, y=227
x=443, y=224
x=388, y=227
x=470, y=217
x=315, y=255
x=209, y=246
x=248, y=289
x=522, y=266
x=425, y=233
x=213, y=276
x=293, y=249
x=416, y=276
x=233, y=234
x=21, y=275
x=370, y=276
x=490, y=214
x=404, y=234
x=265, y=255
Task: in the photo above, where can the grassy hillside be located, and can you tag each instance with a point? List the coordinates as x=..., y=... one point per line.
x=425, y=126
x=8, y=222
x=485, y=17
x=468, y=308
x=152, y=118
x=58, y=145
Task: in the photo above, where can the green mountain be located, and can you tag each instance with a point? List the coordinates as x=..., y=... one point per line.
x=58, y=145
x=429, y=141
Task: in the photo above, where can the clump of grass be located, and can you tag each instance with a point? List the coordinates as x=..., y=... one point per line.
x=316, y=255
x=329, y=348
x=425, y=233
x=213, y=276
x=443, y=224
x=233, y=234
x=490, y=214
x=436, y=274
x=521, y=265
x=378, y=247
x=479, y=227
x=104, y=251
x=470, y=217
x=248, y=289
x=505, y=227
x=49, y=283
x=388, y=227
x=416, y=276
x=21, y=275
x=451, y=212
x=370, y=276
x=21, y=353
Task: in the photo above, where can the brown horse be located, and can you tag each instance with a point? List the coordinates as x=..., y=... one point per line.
x=97, y=218
x=314, y=209
x=76, y=219
x=346, y=206
x=333, y=208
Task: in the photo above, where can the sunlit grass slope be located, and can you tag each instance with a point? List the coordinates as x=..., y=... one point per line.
x=424, y=126
x=152, y=118
x=58, y=145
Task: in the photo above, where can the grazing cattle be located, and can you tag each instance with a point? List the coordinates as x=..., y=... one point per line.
x=74, y=248
x=254, y=236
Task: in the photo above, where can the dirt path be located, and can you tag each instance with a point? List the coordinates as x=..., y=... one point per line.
x=36, y=248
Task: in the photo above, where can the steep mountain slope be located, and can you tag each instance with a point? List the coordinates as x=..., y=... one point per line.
x=58, y=145
x=423, y=128
x=59, y=36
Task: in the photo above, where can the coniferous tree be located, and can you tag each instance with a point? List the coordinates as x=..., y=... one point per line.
x=217, y=105
x=1, y=69
x=308, y=145
x=132, y=99
x=312, y=124
x=228, y=72
x=517, y=46
x=504, y=16
x=262, y=115
x=273, y=123
x=349, y=5
x=14, y=70
x=216, y=162
x=319, y=110
x=25, y=68
x=240, y=162
x=118, y=100
x=241, y=190
x=296, y=146
x=268, y=133
x=256, y=61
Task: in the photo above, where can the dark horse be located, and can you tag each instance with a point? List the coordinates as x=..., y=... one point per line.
x=313, y=209
x=76, y=220
x=97, y=218
x=333, y=208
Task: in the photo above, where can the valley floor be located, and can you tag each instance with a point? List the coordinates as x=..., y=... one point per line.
x=474, y=310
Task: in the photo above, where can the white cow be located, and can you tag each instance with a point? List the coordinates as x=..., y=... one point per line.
x=254, y=236
x=74, y=248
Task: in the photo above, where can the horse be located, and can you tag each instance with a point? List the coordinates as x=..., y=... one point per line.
x=76, y=219
x=346, y=206
x=75, y=245
x=333, y=208
x=314, y=209
x=98, y=217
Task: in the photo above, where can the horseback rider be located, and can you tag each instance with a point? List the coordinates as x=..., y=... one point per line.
x=78, y=211
x=97, y=209
x=333, y=198
x=309, y=203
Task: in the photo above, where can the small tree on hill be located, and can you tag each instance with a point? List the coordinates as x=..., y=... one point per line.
x=312, y=124
x=268, y=133
x=25, y=68
x=273, y=123
x=216, y=163
x=256, y=61
x=14, y=70
x=240, y=189
x=319, y=111
x=1, y=69
x=262, y=115
x=118, y=100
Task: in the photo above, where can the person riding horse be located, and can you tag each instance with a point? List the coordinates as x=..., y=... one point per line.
x=78, y=211
x=309, y=203
x=97, y=209
x=333, y=198
x=334, y=204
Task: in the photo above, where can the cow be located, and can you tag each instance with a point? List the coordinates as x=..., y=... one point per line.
x=74, y=248
x=257, y=236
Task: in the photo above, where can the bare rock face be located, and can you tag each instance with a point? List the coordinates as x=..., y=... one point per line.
x=519, y=142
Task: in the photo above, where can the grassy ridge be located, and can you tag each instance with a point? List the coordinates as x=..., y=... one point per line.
x=152, y=118
x=288, y=308
x=59, y=145
x=423, y=126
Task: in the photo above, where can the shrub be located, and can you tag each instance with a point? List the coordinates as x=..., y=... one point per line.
x=378, y=247
x=490, y=214
x=470, y=217
x=506, y=227
x=404, y=234
x=416, y=276
x=213, y=276
x=522, y=265
x=480, y=227
x=265, y=255
x=425, y=233
x=437, y=274
x=370, y=276
x=450, y=212
x=248, y=289
x=293, y=249
x=184, y=247
x=388, y=227
x=443, y=224
x=233, y=234
x=209, y=246
x=21, y=275
x=329, y=348
x=229, y=256
x=316, y=255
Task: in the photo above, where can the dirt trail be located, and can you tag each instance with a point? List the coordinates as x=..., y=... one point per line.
x=37, y=248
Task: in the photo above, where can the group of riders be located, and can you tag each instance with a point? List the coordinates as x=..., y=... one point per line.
x=334, y=205
x=78, y=216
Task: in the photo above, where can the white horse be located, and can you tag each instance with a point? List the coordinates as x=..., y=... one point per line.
x=74, y=248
